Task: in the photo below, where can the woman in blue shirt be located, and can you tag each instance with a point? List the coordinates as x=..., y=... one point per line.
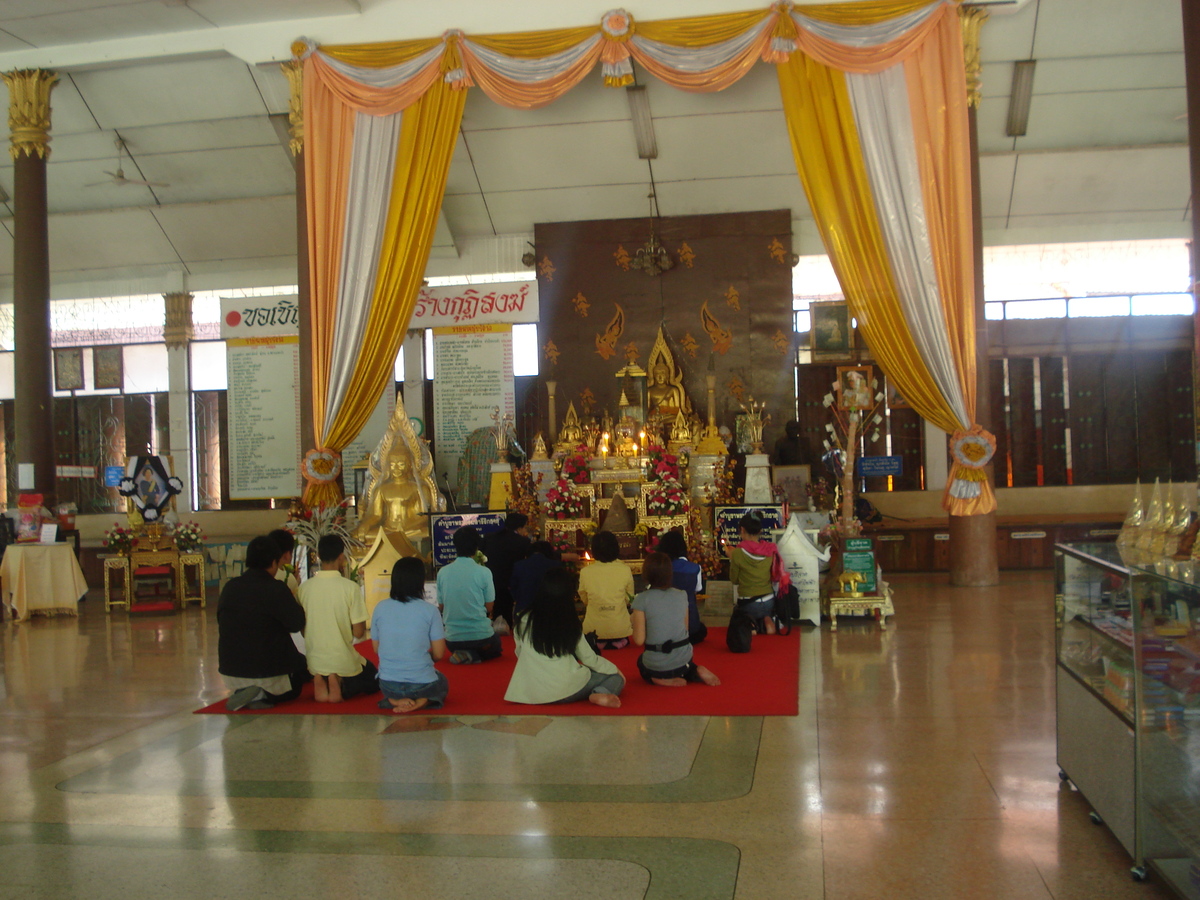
x=408, y=637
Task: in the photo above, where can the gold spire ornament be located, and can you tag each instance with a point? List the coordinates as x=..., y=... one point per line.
x=294, y=70
x=29, y=111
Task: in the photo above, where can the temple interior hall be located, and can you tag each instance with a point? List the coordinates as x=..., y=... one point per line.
x=925, y=759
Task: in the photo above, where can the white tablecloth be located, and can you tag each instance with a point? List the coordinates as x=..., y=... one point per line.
x=41, y=580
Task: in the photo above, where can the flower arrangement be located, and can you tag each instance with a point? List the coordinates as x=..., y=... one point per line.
x=724, y=493
x=574, y=466
x=701, y=548
x=188, y=537
x=667, y=498
x=309, y=525
x=820, y=494
x=563, y=503
x=525, y=497
x=662, y=466
x=120, y=540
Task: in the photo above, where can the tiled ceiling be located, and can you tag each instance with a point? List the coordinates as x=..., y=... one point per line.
x=191, y=88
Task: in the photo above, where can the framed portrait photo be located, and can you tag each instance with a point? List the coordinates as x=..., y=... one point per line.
x=854, y=388
x=830, y=335
x=68, y=369
x=895, y=400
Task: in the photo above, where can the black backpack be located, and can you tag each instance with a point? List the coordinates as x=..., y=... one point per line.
x=739, y=633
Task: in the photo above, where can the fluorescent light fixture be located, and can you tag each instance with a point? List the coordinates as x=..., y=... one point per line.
x=643, y=126
x=1018, y=101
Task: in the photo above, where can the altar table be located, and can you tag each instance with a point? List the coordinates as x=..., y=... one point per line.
x=41, y=580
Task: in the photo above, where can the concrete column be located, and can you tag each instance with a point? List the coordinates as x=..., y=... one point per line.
x=414, y=377
x=178, y=334
x=1191, y=59
x=973, y=560
x=293, y=70
x=29, y=126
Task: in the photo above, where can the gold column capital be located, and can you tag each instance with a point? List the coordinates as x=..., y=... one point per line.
x=972, y=19
x=294, y=70
x=29, y=110
x=178, y=329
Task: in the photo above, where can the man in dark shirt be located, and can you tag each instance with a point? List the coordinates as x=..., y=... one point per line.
x=504, y=549
x=256, y=616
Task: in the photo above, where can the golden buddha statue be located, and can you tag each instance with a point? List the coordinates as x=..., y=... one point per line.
x=400, y=489
x=665, y=396
x=570, y=435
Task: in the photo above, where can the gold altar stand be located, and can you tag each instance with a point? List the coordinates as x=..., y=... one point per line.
x=116, y=564
x=191, y=587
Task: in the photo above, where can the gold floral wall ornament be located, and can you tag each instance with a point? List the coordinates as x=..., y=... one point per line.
x=737, y=388
x=972, y=19
x=606, y=343
x=722, y=338
x=178, y=329
x=686, y=255
x=777, y=251
x=294, y=70
x=29, y=111
x=581, y=304
x=551, y=352
x=733, y=298
x=546, y=268
x=631, y=353
x=622, y=257
x=689, y=345
x=780, y=341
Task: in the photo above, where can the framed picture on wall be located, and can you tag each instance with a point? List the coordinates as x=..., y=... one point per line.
x=794, y=482
x=108, y=367
x=68, y=369
x=895, y=400
x=829, y=334
x=854, y=388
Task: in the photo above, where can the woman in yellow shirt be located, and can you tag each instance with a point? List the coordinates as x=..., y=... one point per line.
x=606, y=589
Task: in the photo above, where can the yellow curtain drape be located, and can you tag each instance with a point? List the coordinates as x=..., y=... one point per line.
x=868, y=12
x=820, y=121
x=378, y=56
x=427, y=138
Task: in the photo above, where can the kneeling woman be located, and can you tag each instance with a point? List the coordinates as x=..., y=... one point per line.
x=408, y=637
x=554, y=662
x=660, y=623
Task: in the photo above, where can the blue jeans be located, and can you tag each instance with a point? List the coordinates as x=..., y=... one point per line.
x=434, y=691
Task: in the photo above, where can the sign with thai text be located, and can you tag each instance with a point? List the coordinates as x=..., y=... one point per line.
x=476, y=304
x=247, y=317
x=264, y=417
x=443, y=526
x=727, y=518
x=876, y=466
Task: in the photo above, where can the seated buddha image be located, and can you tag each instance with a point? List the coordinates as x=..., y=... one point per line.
x=395, y=506
x=663, y=397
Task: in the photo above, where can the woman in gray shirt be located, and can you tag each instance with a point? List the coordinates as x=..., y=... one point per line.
x=660, y=624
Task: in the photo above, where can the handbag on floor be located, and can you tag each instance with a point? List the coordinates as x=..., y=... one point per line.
x=740, y=632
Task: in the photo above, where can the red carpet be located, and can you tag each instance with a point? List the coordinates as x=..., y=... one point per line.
x=764, y=682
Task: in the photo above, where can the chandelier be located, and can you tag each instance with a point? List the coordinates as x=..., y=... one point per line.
x=653, y=258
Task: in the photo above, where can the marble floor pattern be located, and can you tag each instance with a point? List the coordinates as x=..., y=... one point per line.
x=921, y=765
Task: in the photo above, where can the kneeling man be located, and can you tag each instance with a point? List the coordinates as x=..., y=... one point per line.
x=336, y=616
x=256, y=616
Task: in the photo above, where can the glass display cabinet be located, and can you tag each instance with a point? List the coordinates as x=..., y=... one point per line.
x=1128, y=702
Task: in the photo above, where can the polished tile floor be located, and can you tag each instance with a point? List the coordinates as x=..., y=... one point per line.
x=921, y=765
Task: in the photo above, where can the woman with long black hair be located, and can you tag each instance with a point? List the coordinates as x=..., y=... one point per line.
x=554, y=662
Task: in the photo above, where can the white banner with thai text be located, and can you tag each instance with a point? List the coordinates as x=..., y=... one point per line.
x=476, y=304
x=244, y=317
x=473, y=374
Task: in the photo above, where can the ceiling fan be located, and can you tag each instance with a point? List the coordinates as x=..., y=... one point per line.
x=118, y=177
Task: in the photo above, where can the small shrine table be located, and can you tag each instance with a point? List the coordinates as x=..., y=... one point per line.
x=41, y=580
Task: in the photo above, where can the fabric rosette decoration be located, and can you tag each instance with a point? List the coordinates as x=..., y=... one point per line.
x=968, y=491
